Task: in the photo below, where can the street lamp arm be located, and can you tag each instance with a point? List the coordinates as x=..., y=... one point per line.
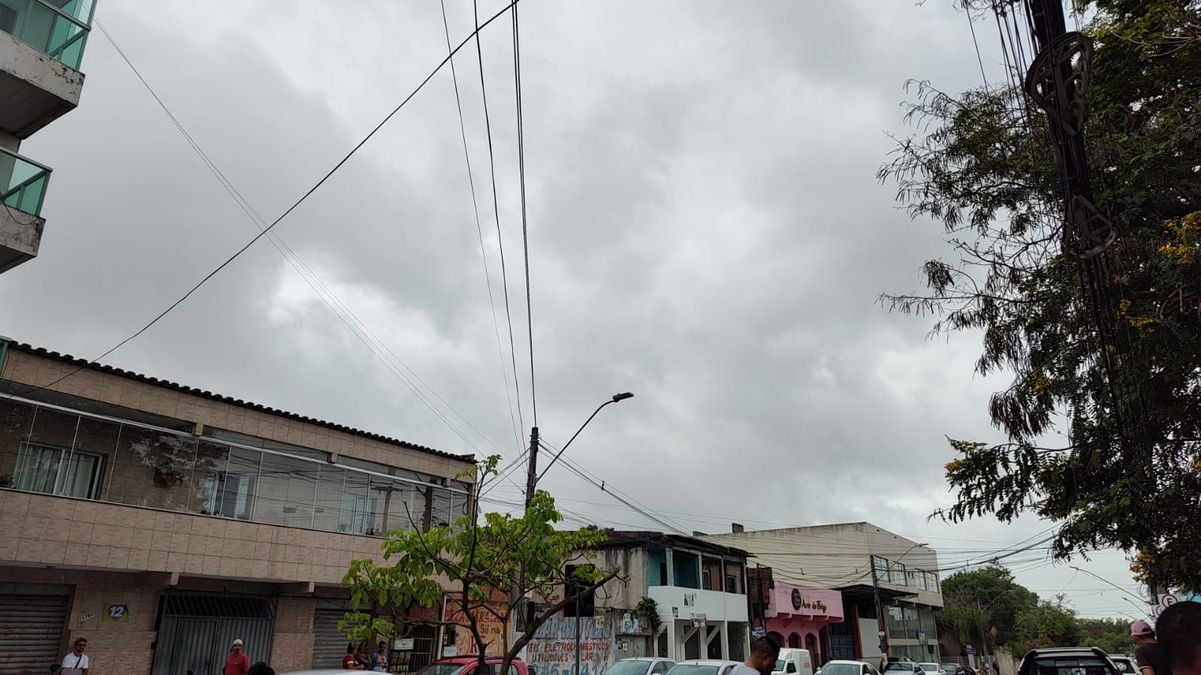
x=573, y=436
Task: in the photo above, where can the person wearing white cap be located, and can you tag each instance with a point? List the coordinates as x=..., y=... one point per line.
x=1148, y=654
x=237, y=663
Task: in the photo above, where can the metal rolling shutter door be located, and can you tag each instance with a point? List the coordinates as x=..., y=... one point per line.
x=31, y=632
x=329, y=645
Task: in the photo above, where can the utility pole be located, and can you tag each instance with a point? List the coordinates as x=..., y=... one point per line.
x=882, y=632
x=531, y=480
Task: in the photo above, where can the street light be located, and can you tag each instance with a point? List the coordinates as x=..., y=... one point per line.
x=617, y=398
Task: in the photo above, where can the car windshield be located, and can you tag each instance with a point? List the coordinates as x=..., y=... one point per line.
x=950, y=667
x=692, y=669
x=898, y=665
x=629, y=668
x=840, y=669
x=930, y=667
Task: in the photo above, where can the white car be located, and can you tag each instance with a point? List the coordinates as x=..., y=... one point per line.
x=837, y=667
x=703, y=667
x=931, y=668
x=641, y=665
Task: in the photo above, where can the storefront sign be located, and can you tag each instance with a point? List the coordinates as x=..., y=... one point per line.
x=799, y=601
x=403, y=644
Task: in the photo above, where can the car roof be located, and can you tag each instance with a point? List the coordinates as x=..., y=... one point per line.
x=846, y=662
x=1064, y=652
x=707, y=662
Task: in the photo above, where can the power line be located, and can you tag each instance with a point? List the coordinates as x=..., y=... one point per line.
x=525, y=236
x=331, y=300
x=454, y=75
x=500, y=240
x=295, y=204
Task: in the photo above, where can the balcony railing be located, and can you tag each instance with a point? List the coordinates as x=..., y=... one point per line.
x=57, y=27
x=22, y=182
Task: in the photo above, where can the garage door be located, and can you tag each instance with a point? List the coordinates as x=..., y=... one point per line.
x=196, y=631
x=32, y=620
x=329, y=644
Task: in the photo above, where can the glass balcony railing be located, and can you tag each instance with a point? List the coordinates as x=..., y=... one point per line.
x=22, y=182
x=57, y=27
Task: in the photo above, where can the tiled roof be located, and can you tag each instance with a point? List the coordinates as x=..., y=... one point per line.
x=84, y=364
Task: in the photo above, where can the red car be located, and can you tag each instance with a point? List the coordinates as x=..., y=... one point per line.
x=468, y=665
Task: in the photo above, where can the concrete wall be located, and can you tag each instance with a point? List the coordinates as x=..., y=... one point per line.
x=47, y=530
x=35, y=88
x=21, y=366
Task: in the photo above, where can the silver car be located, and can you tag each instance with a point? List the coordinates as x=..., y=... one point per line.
x=641, y=665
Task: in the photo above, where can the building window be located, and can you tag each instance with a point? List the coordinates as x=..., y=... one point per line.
x=228, y=494
x=919, y=579
x=932, y=581
x=897, y=573
x=880, y=567
x=357, y=514
x=57, y=471
x=734, y=579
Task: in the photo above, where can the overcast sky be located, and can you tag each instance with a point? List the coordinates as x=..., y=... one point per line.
x=705, y=231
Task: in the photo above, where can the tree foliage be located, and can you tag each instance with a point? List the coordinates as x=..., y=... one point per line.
x=487, y=568
x=979, y=600
x=1047, y=624
x=1110, y=635
x=1130, y=474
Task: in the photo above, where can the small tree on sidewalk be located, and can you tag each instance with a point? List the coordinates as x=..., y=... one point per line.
x=494, y=566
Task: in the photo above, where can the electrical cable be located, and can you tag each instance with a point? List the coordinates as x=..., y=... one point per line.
x=475, y=206
x=320, y=182
x=525, y=235
x=500, y=241
x=332, y=301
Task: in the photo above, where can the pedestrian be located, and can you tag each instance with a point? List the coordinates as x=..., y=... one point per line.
x=360, y=655
x=261, y=668
x=237, y=663
x=379, y=660
x=1148, y=654
x=76, y=662
x=764, y=652
x=350, y=661
x=1179, y=630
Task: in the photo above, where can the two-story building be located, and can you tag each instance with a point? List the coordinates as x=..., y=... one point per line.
x=162, y=522
x=41, y=47
x=889, y=585
x=698, y=591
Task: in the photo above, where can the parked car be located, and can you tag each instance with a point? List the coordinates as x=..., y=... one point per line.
x=702, y=667
x=1125, y=664
x=321, y=672
x=837, y=667
x=952, y=669
x=930, y=668
x=1067, y=661
x=466, y=665
x=793, y=661
x=641, y=665
x=904, y=667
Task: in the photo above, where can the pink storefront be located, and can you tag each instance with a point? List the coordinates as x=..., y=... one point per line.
x=799, y=616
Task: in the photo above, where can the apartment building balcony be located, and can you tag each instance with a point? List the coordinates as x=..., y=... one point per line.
x=41, y=47
x=22, y=188
x=83, y=489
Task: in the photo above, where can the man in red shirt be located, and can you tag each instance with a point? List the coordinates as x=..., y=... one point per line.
x=237, y=663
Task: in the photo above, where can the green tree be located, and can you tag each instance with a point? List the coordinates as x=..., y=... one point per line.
x=1130, y=474
x=1110, y=635
x=977, y=601
x=1048, y=624
x=492, y=567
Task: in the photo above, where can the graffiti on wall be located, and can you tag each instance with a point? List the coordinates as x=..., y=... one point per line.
x=553, y=648
x=492, y=630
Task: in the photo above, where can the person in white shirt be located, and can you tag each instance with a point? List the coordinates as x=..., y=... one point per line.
x=76, y=662
x=764, y=652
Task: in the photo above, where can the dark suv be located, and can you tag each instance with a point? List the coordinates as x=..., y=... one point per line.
x=1067, y=661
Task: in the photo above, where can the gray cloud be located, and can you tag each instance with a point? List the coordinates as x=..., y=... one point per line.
x=705, y=230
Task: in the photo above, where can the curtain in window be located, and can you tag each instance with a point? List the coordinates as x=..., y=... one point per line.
x=37, y=468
